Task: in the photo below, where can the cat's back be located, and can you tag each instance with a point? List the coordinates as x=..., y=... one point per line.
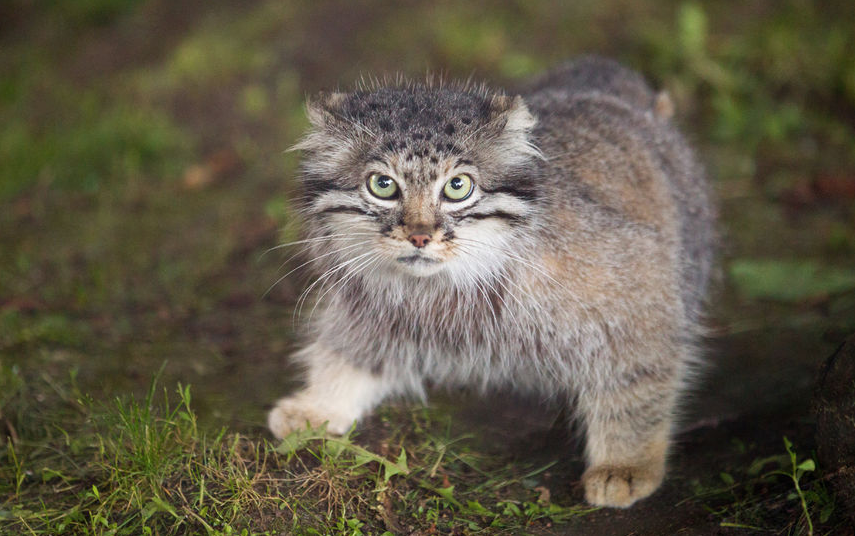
x=608, y=137
x=598, y=130
x=589, y=75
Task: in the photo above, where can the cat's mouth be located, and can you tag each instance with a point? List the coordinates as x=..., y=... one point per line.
x=416, y=259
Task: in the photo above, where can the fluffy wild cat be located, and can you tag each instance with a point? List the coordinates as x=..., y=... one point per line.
x=556, y=242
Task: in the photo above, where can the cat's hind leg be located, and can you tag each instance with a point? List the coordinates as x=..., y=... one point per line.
x=336, y=393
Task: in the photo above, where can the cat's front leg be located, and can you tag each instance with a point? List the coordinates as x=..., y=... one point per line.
x=336, y=393
x=628, y=422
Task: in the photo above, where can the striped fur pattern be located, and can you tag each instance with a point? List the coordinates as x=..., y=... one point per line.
x=577, y=267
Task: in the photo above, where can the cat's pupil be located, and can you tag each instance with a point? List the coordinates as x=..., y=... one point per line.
x=384, y=182
x=456, y=183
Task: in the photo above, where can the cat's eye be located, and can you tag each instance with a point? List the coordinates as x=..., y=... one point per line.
x=382, y=186
x=458, y=187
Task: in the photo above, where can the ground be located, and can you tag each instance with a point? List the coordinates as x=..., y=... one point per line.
x=143, y=182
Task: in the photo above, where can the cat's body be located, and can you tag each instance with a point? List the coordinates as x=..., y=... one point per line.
x=575, y=265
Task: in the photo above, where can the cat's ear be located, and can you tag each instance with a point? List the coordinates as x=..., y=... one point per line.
x=512, y=113
x=323, y=112
x=511, y=124
x=323, y=108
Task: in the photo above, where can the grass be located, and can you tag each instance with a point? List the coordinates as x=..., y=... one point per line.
x=145, y=467
x=142, y=176
x=88, y=145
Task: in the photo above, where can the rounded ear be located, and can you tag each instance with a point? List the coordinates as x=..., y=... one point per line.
x=509, y=131
x=514, y=112
x=321, y=110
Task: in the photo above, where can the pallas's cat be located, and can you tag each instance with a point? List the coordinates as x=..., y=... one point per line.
x=558, y=241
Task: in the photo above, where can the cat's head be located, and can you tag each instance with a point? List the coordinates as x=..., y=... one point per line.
x=418, y=180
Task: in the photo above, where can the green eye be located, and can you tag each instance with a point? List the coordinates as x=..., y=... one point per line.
x=458, y=187
x=382, y=186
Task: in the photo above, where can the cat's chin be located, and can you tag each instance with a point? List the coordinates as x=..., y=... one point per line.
x=419, y=266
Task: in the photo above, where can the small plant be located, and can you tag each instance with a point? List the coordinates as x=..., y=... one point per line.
x=340, y=448
x=760, y=499
x=797, y=470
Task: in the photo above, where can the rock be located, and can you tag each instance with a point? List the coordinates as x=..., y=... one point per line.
x=834, y=406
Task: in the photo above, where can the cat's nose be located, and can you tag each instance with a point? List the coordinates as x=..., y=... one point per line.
x=419, y=240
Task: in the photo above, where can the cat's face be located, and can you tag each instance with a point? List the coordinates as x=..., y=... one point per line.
x=426, y=214
x=418, y=181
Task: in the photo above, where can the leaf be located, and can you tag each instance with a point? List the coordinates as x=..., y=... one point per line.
x=298, y=439
x=511, y=509
x=334, y=449
x=758, y=464
x=788, y=445
x=399, y=467
x=447, y=493
x=727, y=478
x=789, y=280
x=362, y=456
x=477, y=508
x=402, y=459
x=807, y=465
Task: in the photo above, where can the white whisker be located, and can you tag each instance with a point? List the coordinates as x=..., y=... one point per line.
x=343, y=281
x=313, y=259
x=340, y=266
x=501, y=279
x=341, y=236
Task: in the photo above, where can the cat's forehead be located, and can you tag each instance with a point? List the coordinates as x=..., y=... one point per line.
x=400, y=110
x=413, y=125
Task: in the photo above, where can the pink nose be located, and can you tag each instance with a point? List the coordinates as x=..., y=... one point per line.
x=419, y=240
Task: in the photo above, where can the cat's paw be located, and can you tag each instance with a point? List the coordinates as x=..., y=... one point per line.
x=293, y=413
x=619, y=485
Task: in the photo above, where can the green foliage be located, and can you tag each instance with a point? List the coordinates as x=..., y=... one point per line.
x=17, y=330
x=501, y=498
x=768, y=86
x=86, y=144
x=144, y=466
x=789, y=280
x=796, y=474
x=341, y=450
x=755, y=498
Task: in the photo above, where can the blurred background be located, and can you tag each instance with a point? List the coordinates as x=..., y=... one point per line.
x=143, y=176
